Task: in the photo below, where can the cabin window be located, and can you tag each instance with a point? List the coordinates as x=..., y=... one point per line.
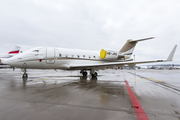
x=72, y=55
x=60, y=55
x=78, y=56
x=84, y=56
x=94, y=56
x=66, y=55
x=89, y=56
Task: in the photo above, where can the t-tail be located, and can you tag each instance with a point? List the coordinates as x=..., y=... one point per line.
x=11, y=53
x=15, y=51
x=129, y=46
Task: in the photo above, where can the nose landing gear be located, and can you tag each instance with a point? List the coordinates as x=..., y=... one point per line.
x=25, y=75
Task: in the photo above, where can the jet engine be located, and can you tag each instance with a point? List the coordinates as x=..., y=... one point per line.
x=110, y=55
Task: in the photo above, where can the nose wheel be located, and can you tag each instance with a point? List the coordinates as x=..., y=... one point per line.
x=25, y=75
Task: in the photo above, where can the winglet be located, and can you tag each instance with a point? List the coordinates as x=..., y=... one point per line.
x=170, y=58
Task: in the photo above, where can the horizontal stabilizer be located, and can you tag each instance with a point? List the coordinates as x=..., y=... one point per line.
x=141, y=39
x=129, y=46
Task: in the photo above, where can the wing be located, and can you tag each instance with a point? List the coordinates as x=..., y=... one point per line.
x=130, y=63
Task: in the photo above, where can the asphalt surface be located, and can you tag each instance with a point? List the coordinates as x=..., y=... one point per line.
x=66, y=95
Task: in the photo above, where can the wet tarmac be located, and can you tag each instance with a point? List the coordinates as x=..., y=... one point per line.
x=66, y=95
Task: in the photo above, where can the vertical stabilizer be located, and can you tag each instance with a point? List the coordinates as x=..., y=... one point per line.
x=16, y=50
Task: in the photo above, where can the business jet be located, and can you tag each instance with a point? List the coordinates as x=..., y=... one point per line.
x=83, y=60
x=11, y=53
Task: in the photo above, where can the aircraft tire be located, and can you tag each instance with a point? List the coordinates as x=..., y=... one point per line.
x=84, y=73
x=95, y=74
x=25, y=75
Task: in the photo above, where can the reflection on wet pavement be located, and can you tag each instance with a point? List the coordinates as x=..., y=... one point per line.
x=67, y=95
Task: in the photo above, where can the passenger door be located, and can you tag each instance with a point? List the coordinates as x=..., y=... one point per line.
x=50, y=55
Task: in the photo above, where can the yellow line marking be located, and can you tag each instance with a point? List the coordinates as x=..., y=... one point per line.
x=154, y=80
x=139, y=79
x=146, y=79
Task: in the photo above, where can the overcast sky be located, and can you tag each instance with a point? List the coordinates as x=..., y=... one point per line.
x=92, y=24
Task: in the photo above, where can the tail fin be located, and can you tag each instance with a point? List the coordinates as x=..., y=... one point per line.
x=15, y=51
x=129, y=46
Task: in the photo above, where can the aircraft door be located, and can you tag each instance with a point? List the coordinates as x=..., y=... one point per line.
x=50, y=55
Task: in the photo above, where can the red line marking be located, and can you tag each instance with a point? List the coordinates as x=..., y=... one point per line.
x=140, y=114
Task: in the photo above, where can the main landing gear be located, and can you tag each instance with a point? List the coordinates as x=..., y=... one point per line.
x=83, y=72
x=92, y=72
x=94, y=75
x=25, y=75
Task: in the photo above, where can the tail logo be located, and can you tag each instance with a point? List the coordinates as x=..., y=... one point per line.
x=13, y=52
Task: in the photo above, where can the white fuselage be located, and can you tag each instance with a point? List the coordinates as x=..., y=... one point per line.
x=55, y=58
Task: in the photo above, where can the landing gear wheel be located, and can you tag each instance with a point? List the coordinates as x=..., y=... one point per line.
x=95, y=74
x=84, y=73
x=25, y=75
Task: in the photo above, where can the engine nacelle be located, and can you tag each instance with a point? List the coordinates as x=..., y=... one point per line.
x=110, y=55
